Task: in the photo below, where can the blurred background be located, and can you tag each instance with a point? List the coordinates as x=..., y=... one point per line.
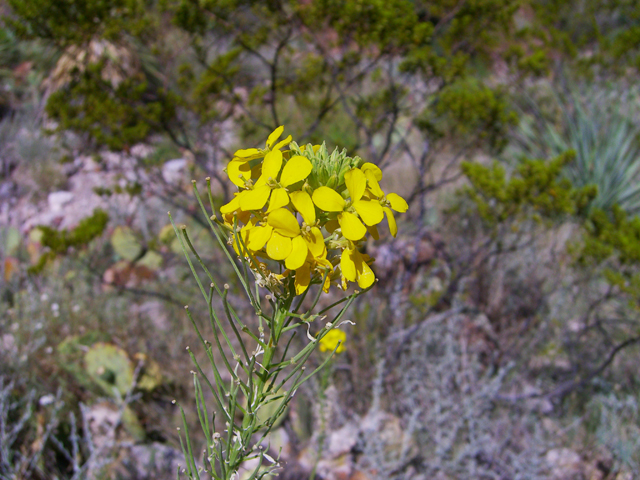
x=501, y=341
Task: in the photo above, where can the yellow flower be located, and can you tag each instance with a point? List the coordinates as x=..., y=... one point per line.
x=254, y=236
x=240, y=170
x=355, y=268
x=290, y=243
x=313, y=266
x=370, y=212
x=272, y=185
x=332, y=339
x=387, y=201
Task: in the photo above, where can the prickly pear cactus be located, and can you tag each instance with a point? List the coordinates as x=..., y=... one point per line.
x=109, y=367
x=125, y=243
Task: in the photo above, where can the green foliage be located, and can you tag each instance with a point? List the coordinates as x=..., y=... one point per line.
x=613, y=232
x=59, y=241
x=612, y=239
x=459, y=32
x=114, y=116
x=465, y=107
x=302, y=51
x=536, y=187
x=312, y=58
x=75, y=22
x=606, y=29
x=389, y=25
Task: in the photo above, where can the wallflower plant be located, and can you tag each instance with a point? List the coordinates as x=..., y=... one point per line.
x=299, y=219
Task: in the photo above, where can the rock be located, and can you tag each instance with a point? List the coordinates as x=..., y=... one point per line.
x=110, y=425
x=140, y=150
x=339, y=468
x=565, y=464
x=57, y=200
x=102, y=419
x=391, y=439
x=173, y=170
x=342, y=441
x=146, y=462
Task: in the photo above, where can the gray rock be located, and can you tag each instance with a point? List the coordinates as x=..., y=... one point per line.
x=152, y=461
x=57, y=200
x=173, y=170
x=565, y=464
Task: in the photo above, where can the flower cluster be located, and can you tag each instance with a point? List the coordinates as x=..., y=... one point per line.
x=308, y=210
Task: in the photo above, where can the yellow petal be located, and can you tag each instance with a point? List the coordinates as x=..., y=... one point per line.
x=279, y=199
x=278, y=247
x=398, y=203
x=377, y=173
x=352, y=227
x=282, y=143
x=284, y=222
x=328, y=199
x=370, y=211
x=393, y=227
x=347, y=265
x=315, y=242
x=247, y=154
x=365, y=275
x=302, y=279
x=356, y=183
x=275, y=135
x=232, y=206
x=373, y=184
x=255, y=199
x=297, y=168
x=271, y=165
x=298, y=253
x=258, y=237
x=304, y=205
x=239, y=171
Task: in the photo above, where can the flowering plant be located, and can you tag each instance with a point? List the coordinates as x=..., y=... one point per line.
x=298, y=219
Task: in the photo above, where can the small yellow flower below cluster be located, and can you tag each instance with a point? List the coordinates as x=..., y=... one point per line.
x=308, y=210
x=331, y=340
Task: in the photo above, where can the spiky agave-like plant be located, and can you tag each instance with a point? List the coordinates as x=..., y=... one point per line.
x=598, y=125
